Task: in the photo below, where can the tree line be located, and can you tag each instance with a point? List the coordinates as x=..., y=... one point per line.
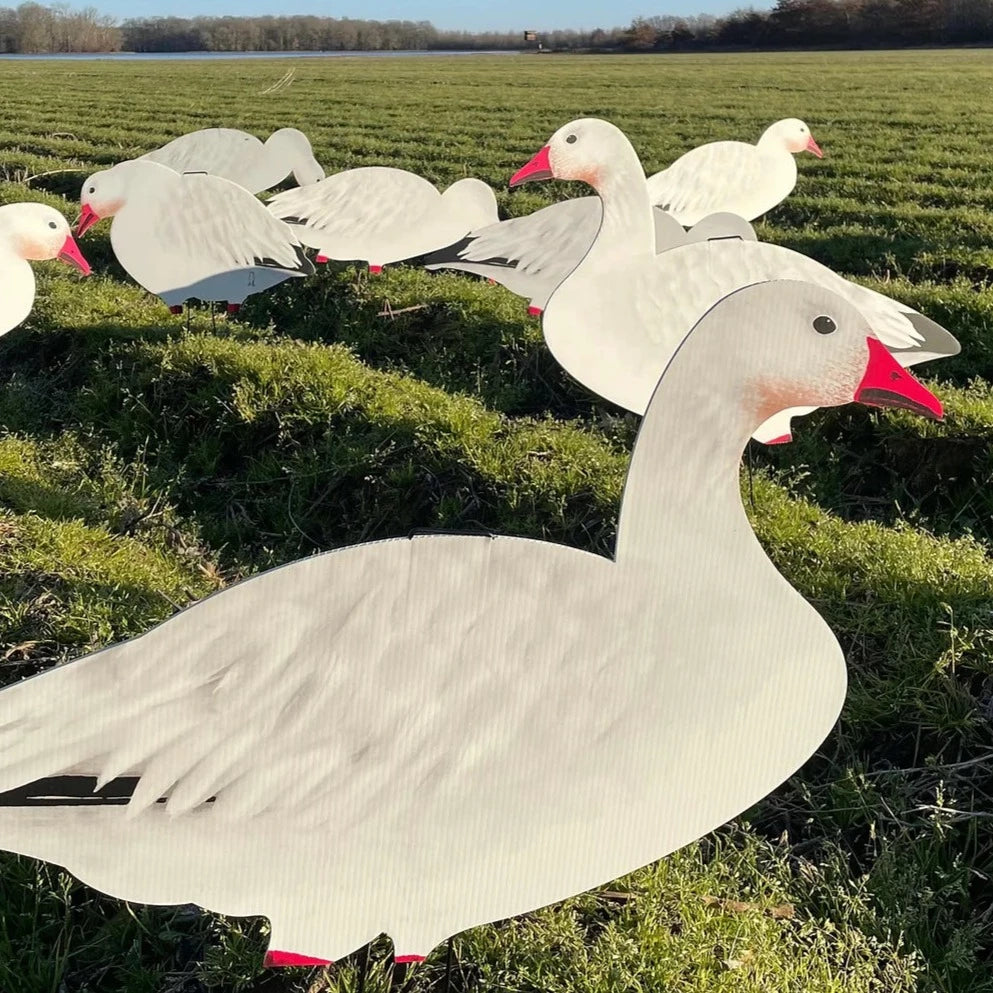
x=822, y=24
x=37, y=28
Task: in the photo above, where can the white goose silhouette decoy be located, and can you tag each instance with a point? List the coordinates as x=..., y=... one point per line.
x=733, y=176
x=241, y=158
x=35, y=232
x=379, y=215
x=614, y=322
x=415, y=736
x=533, y=254
x=191, y=235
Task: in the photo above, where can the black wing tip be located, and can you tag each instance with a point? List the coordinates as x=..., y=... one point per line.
x=70, y=791
x=450, y=253
x=452, y=256
x=303, y=266
x=75, y=791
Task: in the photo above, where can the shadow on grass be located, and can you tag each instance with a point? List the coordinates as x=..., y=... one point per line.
x=501, y=360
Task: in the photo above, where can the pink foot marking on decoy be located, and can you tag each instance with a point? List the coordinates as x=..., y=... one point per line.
x=783, y=439
x=402, y=959
x=233, y=308
x=277, y=959
x=375, y=269
x=492, y=282
x=534, y=311
x=176, y=310
x=321, y=259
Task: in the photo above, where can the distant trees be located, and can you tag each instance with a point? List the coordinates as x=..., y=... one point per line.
x=328, y=34
x=824, y=23
x=297, y=34
x=34, y=27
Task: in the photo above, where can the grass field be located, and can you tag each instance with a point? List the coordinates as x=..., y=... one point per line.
x=142, y=466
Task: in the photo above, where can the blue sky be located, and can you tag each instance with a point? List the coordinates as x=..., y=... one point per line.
x=510, y=15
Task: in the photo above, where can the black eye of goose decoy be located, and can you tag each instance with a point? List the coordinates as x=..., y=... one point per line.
x=572, y=139
x=52, y=225
x=824, y=325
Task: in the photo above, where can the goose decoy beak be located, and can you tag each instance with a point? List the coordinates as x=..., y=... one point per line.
x=813, y=147
x=538, y=168
x=87, y=218
x=886, y=383
x=69, y=252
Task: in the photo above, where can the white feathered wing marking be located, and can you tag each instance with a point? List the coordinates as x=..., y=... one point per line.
x=354, y=203
x=704, y=180
x=708, y=271
x=293, y=691
x=222, y=224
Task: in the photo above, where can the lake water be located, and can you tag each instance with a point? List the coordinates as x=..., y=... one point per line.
x=215, y=56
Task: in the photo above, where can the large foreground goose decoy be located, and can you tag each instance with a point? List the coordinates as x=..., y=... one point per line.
x=241, y=158
x=420, y=735
x=190, y=236
x=733, y=176
x=533, y=254
x=379, y=215
x=35, y=232
x=614, y=322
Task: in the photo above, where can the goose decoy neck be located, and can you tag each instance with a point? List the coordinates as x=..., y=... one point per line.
x=628, y=224
x=684, y=471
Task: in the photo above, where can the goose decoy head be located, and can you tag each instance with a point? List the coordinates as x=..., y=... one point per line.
x=293, y=147
x=793, y=135
x=105, y=193
x=40, y=232
x=577, y=151
x=798, y=344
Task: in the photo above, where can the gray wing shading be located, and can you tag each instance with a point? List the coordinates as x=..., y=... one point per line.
x=549, y=240
x=935, y=342
x=219, y=221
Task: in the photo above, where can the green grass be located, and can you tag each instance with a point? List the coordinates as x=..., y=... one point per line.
x=142, y=466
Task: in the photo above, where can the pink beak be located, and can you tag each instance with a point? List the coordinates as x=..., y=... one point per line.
x=538, y=168
x=813, y=147
x=887, y=384
x=69, y=252
x=87, y=218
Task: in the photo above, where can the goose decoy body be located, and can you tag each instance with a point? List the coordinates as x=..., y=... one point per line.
x=733, y=176
x=190, y=235
x=241, y=158
x=614, y=322
x=420, y=735
x=380, y=215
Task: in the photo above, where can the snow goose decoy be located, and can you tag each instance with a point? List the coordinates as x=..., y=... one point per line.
x=614, y=322
x=190, y=235
x=379, y=215
x=241, y=158
x=287, y=747
x=35, y=232
x=533, y=254
x=733, y=176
